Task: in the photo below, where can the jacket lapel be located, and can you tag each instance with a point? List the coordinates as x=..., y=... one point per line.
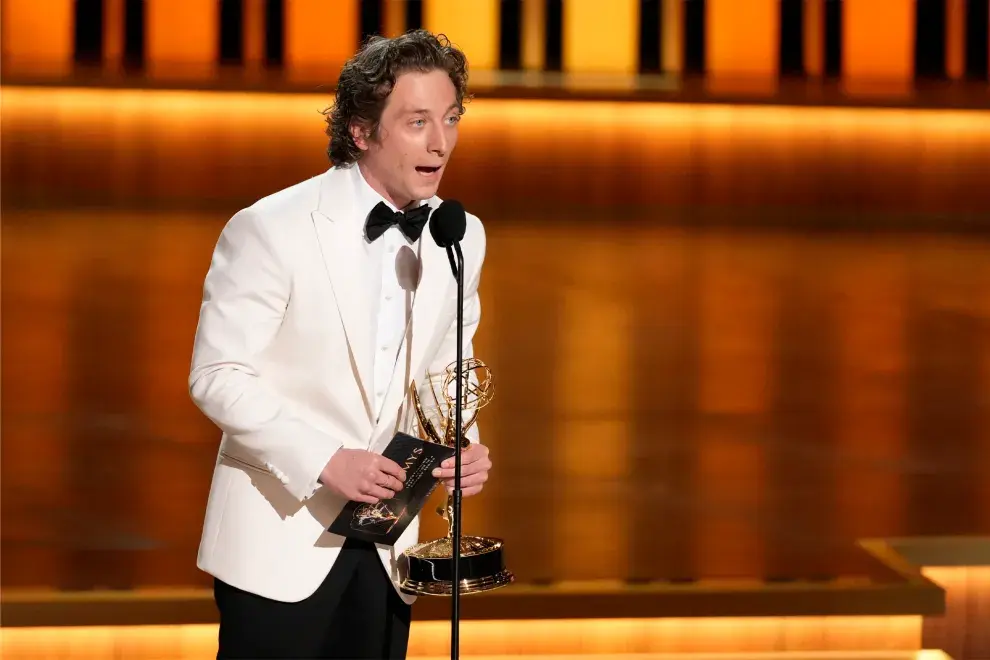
x=343, y=250
x=433, y=305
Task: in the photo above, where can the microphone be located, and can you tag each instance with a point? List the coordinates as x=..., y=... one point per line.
x=447, y=226
x=448, y=223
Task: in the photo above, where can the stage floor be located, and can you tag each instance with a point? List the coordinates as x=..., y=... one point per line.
x=684, y=392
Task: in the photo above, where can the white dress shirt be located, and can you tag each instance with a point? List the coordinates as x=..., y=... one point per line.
x=393, y=264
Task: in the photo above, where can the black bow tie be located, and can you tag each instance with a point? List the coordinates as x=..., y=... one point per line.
x=411, y=222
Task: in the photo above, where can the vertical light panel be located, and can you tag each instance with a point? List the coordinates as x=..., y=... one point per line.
x=319, y=35
x=878, y=40
x=534, y=38
x=113, y=33
x=395, y=18
x=471, y=26
x=743, y=38
x=37, y=33
x=181, y=32
x=814, y=37
x=592, y=370
x=981, y=268
x=738, y=307
x=872, y=362
x=672, y=36
x=955, y=38
x=38, y=352
x=254, y=33
x=600, y=40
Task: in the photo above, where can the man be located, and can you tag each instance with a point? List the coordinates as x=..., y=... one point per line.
x=322, y=304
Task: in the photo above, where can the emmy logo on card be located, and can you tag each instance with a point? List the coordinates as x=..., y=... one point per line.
x=375, y=518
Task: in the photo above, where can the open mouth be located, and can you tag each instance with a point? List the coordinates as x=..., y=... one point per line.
x=427, y=171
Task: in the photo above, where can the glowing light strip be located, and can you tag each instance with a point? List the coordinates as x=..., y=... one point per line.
x=834, y=638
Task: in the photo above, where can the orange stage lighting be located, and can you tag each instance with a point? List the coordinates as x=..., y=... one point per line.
x=814, y=37
x=181, y=33
x=472, y=26
x=878, y=40
x=955, y=38
x=37, y=33
x=113, y=32
x=319, y=34
x=534, y=23
x=395, y=18
x=837, y=638
x=254, y=27
x=592, y=388
x=944, y=149
x=597, y=41
x=743, y=38
x=673, y=36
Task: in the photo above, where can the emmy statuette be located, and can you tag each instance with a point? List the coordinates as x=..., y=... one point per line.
x=429, y=566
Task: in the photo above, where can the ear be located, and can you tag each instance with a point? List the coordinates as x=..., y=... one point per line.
x=361, y=133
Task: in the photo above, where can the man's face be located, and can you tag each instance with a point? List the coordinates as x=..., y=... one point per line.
x=417, y=132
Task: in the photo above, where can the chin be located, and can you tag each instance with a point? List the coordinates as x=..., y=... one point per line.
x=425, y=190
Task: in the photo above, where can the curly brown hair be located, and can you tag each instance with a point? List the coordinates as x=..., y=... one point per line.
x=368, y=77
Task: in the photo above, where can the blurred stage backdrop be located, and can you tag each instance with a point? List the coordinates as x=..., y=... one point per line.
x=736, y=302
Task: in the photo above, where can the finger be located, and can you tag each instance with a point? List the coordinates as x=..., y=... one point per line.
x=468, y=481
x=466, y=492
x=390, y=467
x=467, y=469
x=389, y=482
x=361, y=497
x=472, y=454
x=380, y=493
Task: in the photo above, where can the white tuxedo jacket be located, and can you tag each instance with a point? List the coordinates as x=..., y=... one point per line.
x=282, y=362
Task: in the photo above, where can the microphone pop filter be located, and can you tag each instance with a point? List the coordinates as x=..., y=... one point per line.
x=448, y=223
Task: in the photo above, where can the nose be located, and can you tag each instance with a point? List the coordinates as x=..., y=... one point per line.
x=438, y=141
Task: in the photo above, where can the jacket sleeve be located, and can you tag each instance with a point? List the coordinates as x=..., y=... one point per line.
x=245, y=296
x=447, y=353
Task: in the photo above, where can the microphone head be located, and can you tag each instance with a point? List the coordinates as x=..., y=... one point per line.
x=448, y=223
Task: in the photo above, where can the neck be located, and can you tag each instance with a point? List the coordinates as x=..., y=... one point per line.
x=376, y=185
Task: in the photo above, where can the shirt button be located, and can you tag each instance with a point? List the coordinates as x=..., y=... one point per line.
x=384, y=349
x=388, y=296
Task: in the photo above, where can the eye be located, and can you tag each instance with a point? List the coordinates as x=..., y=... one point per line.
x=453, y=119
x=418, y=122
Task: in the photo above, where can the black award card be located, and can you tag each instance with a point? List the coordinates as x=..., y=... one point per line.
x=385, y=521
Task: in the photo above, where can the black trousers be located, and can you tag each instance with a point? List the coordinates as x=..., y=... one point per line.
x=355, y=613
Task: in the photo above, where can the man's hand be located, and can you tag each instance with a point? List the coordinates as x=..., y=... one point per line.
x=362, y=476
x=475, y=465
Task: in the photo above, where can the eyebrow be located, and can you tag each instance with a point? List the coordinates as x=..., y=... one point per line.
x=424, y=111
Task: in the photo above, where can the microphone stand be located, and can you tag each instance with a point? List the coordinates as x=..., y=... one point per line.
x=458, y=268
